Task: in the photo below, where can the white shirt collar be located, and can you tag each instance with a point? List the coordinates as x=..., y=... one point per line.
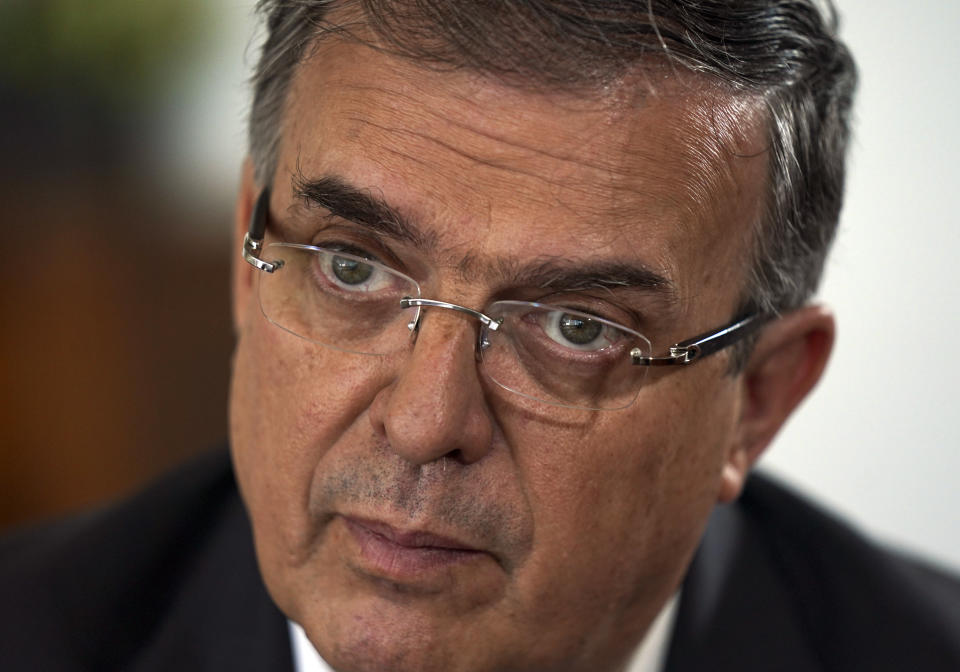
x=305, y=657
x=650, y=656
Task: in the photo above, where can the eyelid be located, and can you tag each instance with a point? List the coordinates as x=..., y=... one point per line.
x=585, y=302
x=349, y=248
x=358, y=241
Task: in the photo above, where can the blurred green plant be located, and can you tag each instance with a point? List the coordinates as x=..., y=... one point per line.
x=120, y=50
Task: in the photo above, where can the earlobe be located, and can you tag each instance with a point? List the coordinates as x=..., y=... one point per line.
x=786, y=362
x=242, y=273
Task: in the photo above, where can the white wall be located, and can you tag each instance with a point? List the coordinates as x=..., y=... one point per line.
x=880, y=438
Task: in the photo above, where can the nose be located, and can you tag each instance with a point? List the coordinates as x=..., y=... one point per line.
x=435, y=407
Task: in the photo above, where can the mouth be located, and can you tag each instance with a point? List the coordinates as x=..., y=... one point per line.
x=406, y=556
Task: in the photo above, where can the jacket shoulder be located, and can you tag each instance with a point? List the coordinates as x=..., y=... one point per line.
x=780, y=584
x=861, y=605
x=123, y=587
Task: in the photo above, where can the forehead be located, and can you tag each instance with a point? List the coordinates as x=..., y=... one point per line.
x=665, y=171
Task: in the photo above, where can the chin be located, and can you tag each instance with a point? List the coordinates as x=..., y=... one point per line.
x=389, y=640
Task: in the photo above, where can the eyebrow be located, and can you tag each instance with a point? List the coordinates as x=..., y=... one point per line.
x=359, y=206
x=573, y=276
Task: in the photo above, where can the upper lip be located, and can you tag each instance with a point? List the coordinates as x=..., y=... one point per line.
x=411, y=538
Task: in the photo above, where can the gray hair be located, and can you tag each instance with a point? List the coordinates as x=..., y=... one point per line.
x=783, y=52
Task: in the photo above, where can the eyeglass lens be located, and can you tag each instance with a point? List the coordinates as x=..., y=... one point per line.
x=557, y=355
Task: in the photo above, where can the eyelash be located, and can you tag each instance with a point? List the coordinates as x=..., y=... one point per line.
x=349, y=248
x=339, y=235
x=591, y=305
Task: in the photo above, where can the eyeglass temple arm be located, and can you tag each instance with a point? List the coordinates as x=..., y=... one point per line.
x=687, y=352
x=253, y=240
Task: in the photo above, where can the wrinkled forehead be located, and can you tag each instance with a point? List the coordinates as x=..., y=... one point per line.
x=608, y=127
x=655, y=155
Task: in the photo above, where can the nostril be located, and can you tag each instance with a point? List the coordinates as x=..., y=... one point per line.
x=456, y=455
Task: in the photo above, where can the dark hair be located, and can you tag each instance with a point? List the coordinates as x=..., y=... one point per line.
x=784, y=53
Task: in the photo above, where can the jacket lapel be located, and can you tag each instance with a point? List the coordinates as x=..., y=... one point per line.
x=735, y=611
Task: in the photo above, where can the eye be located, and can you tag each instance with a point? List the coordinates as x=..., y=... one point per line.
x=350, y=271
x=579, y=332
x=354, y=270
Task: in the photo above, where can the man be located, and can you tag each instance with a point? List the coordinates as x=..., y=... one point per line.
x=523, y=298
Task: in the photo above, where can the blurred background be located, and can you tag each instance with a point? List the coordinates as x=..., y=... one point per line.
x=122, y=133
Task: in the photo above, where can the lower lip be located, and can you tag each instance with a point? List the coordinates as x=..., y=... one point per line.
x=387, y=559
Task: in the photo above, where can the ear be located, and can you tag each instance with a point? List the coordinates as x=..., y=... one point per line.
x=242, y=272
x=786, y=362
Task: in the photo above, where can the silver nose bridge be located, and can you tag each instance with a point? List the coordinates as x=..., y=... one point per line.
x=408, y=302
x=490, y=323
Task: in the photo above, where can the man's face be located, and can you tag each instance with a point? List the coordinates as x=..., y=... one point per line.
x=408, y=512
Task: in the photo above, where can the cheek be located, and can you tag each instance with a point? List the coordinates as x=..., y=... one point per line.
x=290, y=401
x=293, y=397
x=620, y=504
x=694, y=439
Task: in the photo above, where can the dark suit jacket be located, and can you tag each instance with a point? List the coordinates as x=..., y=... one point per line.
x=168, y=581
